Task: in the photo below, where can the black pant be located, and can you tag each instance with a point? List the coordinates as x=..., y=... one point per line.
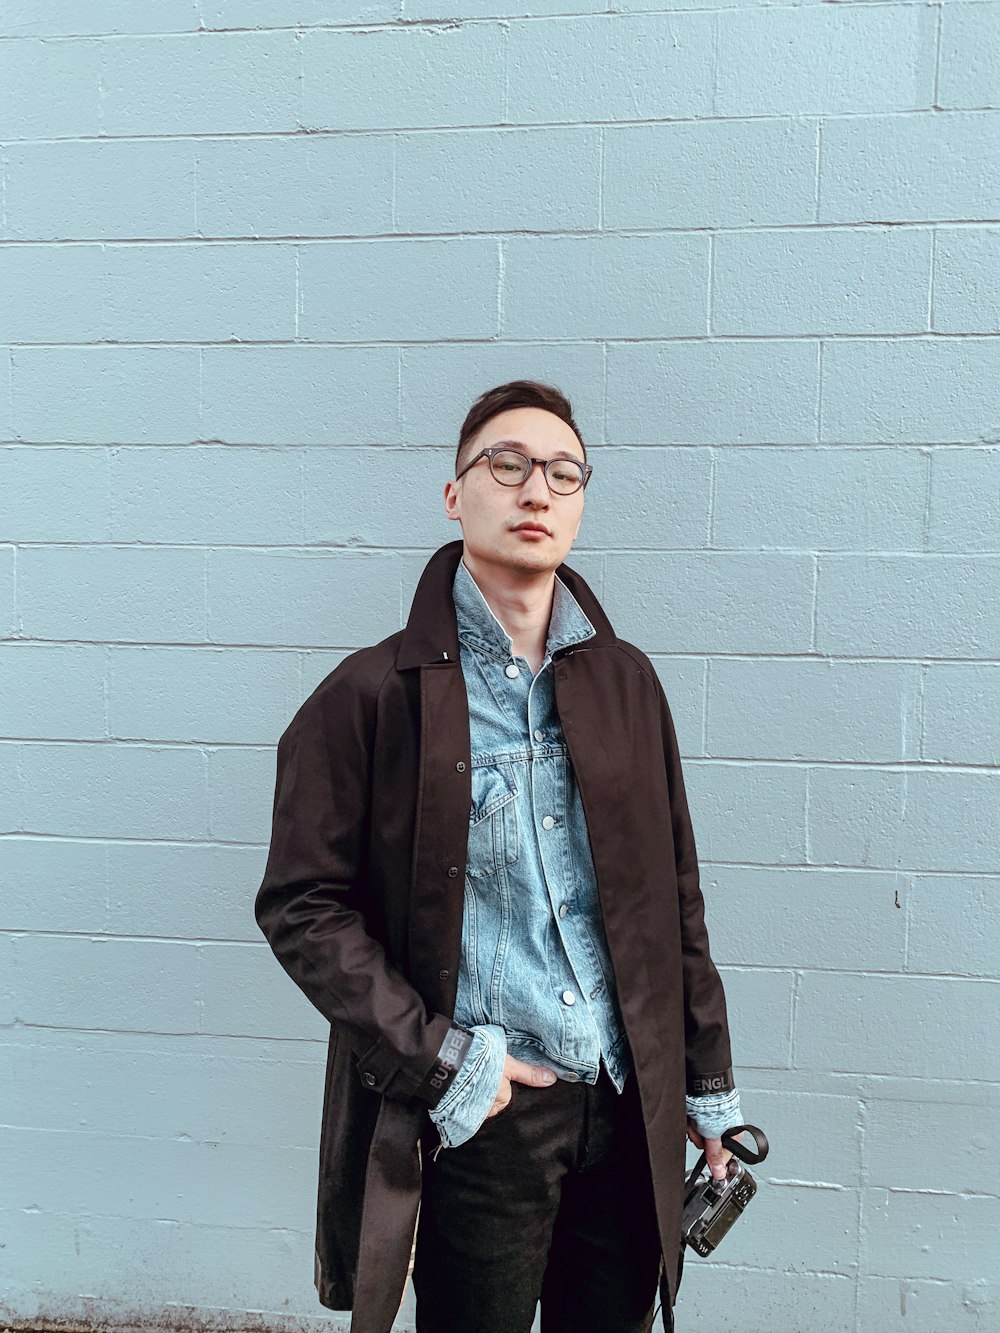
x=550, y=1200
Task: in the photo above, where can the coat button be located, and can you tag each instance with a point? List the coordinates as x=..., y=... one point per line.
x=370, y=1080
x=568, y=997
x=460, y=766
x=548, y=822
x=444, y=974
x=452, y=871
x=512, y=670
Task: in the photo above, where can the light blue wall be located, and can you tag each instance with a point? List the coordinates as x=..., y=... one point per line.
x=256, y=261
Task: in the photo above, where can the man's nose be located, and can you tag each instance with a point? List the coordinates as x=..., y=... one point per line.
x=534, y=486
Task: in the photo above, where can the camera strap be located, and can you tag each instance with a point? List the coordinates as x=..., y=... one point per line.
x=738, y=1149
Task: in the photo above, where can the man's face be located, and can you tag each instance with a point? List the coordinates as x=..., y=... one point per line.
x=490, y=513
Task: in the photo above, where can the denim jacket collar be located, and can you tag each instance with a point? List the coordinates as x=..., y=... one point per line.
x=479, y=628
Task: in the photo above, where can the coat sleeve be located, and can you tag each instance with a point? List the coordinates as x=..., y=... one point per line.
x=707, y=1049
x=310, y=904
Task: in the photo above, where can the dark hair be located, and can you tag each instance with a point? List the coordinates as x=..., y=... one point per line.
x=516, y=393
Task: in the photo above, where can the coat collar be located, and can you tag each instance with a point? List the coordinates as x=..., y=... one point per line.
x=431, y=632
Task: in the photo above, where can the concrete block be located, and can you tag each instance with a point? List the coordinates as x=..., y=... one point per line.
x=969, y=74
x=54, y=495
x=303, y=185
x=427, y=77
x=699, y=392
x=965, y=500
x=713, y=600
x=92, y=189
x=113, y=984
x=399, y=290
x=177, y=84
x=496, y=180
x=55, y=884
x=824, y=59
x=203, y=496
x=966, y=277
x=958, y=696
x=187, y=891
x=748, y=812
x=130, y=594
x=55, y=691
x=907, y=1305
x=808, y=709
x=908, y=605
x=920, y=1026
x=821, y=281
x=611, y=67
x=773, y=916
x=710, y=173
x=50, y=90
x=917, y=168
x=954, y=925
x=300, y=395
x=644, y=286
x=96, y=790
x=303, y=597
x=951, y=1237
x=105, y=395
x=759, y=1002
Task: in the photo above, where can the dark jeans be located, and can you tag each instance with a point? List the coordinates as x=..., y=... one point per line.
x=550, y=1200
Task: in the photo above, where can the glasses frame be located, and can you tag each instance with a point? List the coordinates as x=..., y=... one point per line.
x=545, y=463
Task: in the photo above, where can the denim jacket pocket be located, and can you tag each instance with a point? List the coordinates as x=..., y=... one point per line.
x=493, y=824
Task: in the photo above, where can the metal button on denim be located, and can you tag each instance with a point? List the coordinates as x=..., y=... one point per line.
x=568, y=997
x=513, y=670
x=548, y=822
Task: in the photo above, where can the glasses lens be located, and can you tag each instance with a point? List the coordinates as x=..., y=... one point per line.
x=509, y=467
x=564, y=475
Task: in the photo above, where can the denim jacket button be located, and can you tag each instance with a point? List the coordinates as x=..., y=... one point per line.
x=548, y=822
x=512, y=670
x=568, y=997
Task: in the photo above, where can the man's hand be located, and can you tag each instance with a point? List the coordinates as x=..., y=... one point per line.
x=520, y=1072
x=715, y=1155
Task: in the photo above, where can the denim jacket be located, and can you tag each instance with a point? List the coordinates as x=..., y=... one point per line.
x=535, y=976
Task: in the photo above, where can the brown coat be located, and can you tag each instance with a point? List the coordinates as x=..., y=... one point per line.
x=362, y=901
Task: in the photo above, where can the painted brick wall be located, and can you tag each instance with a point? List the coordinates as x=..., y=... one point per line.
x=256, y=260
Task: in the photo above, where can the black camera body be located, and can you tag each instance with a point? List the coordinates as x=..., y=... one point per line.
x=712, y=1206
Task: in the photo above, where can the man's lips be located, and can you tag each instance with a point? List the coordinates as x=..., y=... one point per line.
x=535, y=528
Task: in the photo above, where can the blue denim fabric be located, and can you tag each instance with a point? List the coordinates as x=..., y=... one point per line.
x=535, y=975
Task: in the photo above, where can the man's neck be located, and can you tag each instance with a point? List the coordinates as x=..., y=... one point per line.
x=524, y=608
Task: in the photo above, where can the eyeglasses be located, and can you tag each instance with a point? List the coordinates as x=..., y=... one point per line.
x=511, y=468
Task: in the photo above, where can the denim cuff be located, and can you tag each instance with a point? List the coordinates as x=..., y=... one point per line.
x=714, y=1112
x=473, y=1090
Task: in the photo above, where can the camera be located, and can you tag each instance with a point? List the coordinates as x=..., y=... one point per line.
x=712, y=1206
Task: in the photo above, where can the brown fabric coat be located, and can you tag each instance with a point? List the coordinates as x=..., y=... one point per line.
x=362, y=901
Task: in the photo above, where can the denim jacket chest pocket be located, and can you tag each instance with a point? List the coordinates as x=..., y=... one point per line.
x=494, y=835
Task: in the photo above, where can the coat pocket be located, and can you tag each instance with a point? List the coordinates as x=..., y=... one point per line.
x=494, y=835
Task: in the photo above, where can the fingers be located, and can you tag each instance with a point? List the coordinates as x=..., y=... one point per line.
x=523, y=1072
x=716, y=1156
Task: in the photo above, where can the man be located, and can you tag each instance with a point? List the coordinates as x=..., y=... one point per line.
x=482, y=871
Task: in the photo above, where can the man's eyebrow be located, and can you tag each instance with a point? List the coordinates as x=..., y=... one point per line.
x=561, y=453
